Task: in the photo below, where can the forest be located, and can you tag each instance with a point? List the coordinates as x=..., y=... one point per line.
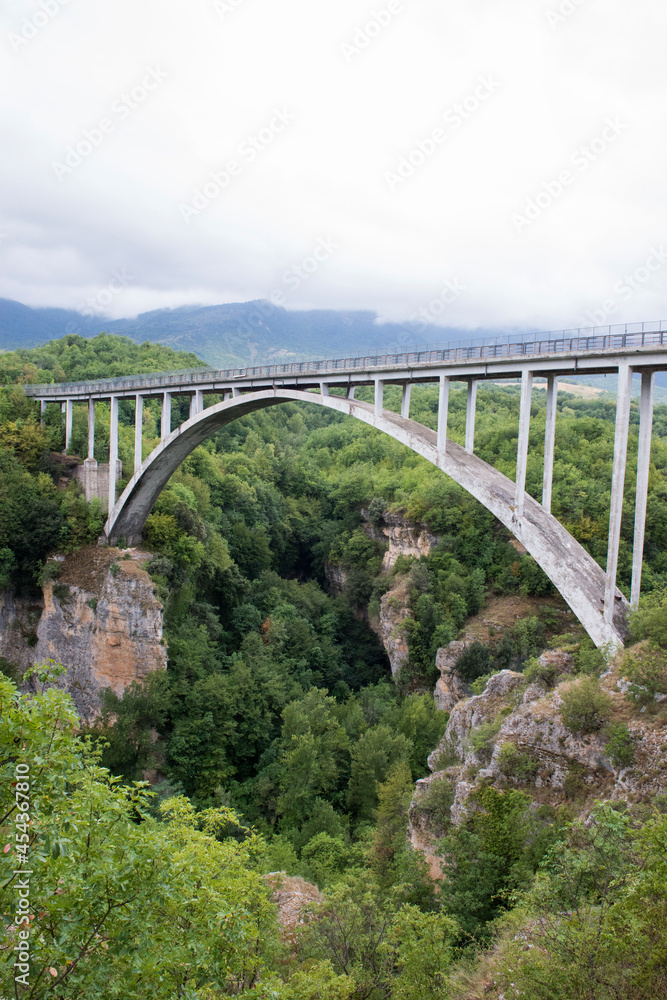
x=280, y=740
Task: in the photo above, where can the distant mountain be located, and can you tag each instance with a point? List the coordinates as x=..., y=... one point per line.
x=234, y=334
x=22, y=326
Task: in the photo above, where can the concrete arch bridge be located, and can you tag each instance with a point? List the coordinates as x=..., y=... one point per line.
x=590, y=591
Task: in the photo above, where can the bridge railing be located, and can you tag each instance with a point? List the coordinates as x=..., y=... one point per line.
x=566, y=341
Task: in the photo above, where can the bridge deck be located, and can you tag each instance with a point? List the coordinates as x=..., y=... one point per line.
x=585, y=353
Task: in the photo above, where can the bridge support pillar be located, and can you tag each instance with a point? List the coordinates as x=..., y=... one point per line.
x=165, y=424
x=379, y=397
x=138, y=431
x=471, y=407
x=522, y=445
x=350, y=392
x=617, y=484
x=324, y=389
x=91, y=429
x=69, y=407
x=405, y=401
x=643, y=467
x=549, y=442
x=196, y=402
x=42, y=410
x=443, y=412
x=113, y=451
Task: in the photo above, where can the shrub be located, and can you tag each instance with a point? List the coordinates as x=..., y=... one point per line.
x=514, y=763
x=473, y=662
x=324, y=857
x=586, y=707
x=649, y=619
x=51, y=570
x=436, y=805
x=419, y=578
x=61, y=592
x=481, y=738
x=159, y=566
x=376, y=509
x=588, y=659
x=620, y=745
x=114, y=569
x=479, y=686
x=536, y=672
x=160, y=530
x=575, y=781
x=646, y=667
x=446, y=756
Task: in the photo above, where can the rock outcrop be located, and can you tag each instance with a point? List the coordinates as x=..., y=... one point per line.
x=513, y=735
x=449, y=688
x=405, y=539
x=336, y=576
x=390, y=626
x=292, y=895
x=100, y=619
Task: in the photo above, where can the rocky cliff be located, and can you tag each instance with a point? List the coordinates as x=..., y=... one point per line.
x=404, y=539
x=389, y=625
x=99, y=618
x=513, y=735
x=449, y=688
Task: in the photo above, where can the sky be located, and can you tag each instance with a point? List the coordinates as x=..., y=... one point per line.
x=479, y=163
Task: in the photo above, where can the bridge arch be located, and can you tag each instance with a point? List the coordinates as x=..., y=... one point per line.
x=576, y=575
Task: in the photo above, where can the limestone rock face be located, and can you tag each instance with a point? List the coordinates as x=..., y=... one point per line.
x=337, y=577
x=405, y=539
x=560, y=661
x=100, y=619
x=292, y=895
x=421, y=835
x=450, y=689
x=551, y=758
x=393, y=612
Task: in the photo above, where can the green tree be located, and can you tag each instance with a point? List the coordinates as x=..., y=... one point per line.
x=125, y=905
x=373, y=756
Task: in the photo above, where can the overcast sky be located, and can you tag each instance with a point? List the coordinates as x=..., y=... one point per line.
x=493, y=162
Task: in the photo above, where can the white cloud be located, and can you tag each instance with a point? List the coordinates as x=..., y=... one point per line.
x=226, y=71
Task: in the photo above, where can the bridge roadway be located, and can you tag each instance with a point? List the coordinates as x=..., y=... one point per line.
x=632, y=349
x=566, y=353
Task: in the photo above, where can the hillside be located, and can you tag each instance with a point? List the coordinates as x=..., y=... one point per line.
x=227, y=335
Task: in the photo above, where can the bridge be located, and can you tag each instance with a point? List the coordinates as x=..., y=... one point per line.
x=622, y=351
